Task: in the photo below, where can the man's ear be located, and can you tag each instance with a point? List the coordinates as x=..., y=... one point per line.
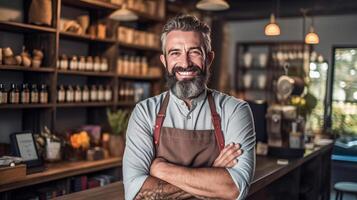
x=163, y=60
x=210, y=57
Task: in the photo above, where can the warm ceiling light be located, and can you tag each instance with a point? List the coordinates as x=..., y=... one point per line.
x=123, y=14
x=212, y=5
x=312, y=37
x=272, y=29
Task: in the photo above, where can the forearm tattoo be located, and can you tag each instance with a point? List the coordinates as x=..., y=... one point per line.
x=162, y=191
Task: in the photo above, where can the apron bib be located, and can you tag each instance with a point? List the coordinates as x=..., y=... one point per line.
x=190, y=148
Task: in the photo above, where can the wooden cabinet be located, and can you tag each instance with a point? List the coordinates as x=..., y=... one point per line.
x=53, y=41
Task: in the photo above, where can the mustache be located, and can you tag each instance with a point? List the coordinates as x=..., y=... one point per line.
x=191, y=68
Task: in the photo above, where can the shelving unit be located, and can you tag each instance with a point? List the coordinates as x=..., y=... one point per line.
x=250, y=67
x=55, y=42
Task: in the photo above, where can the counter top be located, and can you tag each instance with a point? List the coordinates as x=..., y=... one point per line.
x=267, y=171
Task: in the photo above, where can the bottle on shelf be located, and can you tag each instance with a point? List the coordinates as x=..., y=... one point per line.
x=3, y=94
x=69, y=94
x=61, y=94
x=93, y=93
x=89, y=63
x=77, y=94
x=96, y=65
x=85, y=94
x=82, y=63
x=34, y=94
x=73, y=65
x=14, y=94
x=43, y=94
x=25, y=94
x=108, y=93
x=100, y=93
x=104, y=65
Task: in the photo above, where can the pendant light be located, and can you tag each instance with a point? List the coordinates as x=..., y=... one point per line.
x=212, y=5
x=272, y=29
x=123, y=14
x=312, y=37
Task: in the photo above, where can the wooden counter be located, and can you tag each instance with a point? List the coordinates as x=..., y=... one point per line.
x=305, y=178
x=61, y=170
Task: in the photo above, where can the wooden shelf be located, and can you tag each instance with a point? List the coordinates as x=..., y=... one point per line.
x=102, y=5
x=87, y=73
x=22, y=106
x=139, y=78
x=138, y=47
x=23, y=28
x=91, y=4
x=85, y=38
x=63, y=170
x=85, y=104
x=28, y=69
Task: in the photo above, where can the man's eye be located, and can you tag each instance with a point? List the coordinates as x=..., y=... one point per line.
x=195, y=52
x=174, y=53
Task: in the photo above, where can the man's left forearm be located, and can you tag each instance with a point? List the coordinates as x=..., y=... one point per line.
x=206, y=182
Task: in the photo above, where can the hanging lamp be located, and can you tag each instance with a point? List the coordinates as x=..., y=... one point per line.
x=212, y=5
x=272, y=29
x=312, y=37
x=123, y=14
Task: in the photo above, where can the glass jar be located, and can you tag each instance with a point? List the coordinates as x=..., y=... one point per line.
x=104, y=65
x=25, y=94
x=73, y=65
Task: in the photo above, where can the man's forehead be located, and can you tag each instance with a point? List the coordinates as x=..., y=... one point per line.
x=178, y=37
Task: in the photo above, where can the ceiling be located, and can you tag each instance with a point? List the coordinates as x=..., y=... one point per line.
x=257, y=9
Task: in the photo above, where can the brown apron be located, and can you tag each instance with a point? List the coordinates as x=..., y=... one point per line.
x=191, y=148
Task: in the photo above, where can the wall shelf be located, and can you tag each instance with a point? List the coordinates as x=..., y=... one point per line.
x=87, y=73
x=24, y=28
x=25, y=106
x=139, y=78
x=85, y=38
x=27, y=69
x=84, y=104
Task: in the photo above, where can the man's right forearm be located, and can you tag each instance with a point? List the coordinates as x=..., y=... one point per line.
x=154, y=188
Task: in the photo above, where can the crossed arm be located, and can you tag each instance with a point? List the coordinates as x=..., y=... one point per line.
x=202, y=183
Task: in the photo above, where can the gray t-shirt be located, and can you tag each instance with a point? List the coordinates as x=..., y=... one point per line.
x=236, y=122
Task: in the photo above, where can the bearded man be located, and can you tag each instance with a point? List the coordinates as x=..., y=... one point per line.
x=190, y=142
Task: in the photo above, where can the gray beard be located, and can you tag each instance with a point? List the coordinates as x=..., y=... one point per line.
x=187, y=89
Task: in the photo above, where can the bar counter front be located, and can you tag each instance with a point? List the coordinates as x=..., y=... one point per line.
x=303, y=178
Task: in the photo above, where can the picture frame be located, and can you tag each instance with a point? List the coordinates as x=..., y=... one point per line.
x=23, y=145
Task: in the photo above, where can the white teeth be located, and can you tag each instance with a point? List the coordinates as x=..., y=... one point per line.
x=185, y=73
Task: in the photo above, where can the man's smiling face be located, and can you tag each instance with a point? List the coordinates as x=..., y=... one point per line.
x=186, y=62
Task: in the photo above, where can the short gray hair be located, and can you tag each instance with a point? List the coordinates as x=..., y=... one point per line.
x=187, y=23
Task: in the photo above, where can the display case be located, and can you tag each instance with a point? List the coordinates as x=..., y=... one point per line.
x=344, y=95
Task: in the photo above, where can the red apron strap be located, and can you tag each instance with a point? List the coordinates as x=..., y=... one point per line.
x=216, y=120
x=160, y=118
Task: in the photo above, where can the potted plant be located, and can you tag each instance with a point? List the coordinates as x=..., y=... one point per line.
x=118, y=122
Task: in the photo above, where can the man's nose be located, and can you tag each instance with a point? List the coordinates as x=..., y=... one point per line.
x=186, y=60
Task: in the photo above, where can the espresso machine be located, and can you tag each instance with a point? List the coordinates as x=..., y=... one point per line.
x=282, y=117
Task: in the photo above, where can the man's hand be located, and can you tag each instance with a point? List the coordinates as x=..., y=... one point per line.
x=155, y=166
x=228, y=156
